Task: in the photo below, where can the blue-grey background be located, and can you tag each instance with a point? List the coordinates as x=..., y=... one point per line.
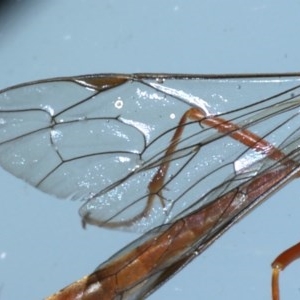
x=42, y=245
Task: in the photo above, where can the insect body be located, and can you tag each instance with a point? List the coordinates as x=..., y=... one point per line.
x=142, y=152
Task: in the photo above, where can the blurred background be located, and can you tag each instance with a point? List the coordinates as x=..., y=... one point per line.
x=42, y=245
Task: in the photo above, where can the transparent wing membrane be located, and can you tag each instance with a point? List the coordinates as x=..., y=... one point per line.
x=102, y=139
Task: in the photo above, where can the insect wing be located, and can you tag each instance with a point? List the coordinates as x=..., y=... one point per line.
x=104, y=143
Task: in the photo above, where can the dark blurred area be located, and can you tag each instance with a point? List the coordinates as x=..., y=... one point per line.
x=12, y=10
x=9, y=7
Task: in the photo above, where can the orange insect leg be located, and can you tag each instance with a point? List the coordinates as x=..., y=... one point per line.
x=236, y=132
x=280, y=263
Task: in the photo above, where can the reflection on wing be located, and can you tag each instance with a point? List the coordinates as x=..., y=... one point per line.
x=101, y=139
